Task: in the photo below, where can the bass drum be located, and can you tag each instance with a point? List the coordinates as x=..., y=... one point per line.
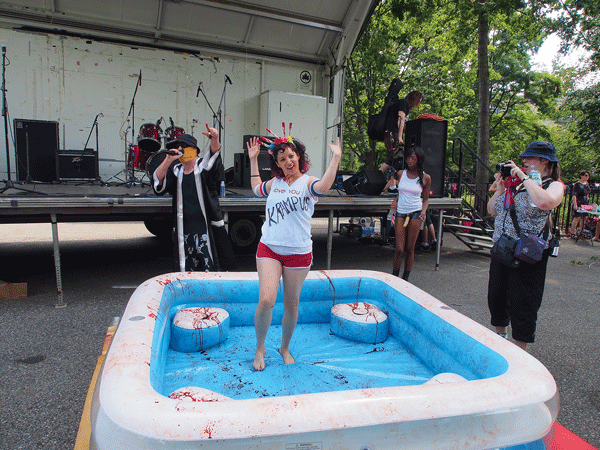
x=154, y=161
x=137, y=158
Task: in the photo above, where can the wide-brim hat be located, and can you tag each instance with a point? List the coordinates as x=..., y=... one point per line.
x=540, y=149
x=187, y=139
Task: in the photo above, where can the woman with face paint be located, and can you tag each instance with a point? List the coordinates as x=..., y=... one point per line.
x=201, y=241
x=285, y=248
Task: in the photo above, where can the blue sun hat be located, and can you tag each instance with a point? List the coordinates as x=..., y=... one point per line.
x=540, y=149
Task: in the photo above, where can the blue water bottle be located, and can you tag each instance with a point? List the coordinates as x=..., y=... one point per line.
x=222, y=193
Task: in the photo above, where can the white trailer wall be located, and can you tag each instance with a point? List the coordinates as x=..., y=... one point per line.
x=71, y=80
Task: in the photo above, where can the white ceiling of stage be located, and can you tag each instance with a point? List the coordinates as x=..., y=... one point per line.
x=312, y=31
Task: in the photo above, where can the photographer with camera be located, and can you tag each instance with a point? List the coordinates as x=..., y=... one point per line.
x=515, y=291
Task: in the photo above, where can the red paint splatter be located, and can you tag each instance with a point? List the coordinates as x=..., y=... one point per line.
x=182, y=395
x=329, y=279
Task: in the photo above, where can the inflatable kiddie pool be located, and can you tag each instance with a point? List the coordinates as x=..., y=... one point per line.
x=433, y=379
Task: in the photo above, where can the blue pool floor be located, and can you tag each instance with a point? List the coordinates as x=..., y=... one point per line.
x=324, y=362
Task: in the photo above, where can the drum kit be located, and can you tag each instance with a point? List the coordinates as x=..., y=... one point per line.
x=150, y=150
x=147, y=154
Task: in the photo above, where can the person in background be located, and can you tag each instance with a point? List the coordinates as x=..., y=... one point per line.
x=411, y=208
x=581, y=196
x=391, y=187
x=394, y=122
x=201, y=240
x=428, y=232
x=285, y=248
x=515, y=294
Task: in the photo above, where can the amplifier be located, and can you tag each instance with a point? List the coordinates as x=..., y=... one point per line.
x=241, y=168
x=365, y=182
x=77, y=165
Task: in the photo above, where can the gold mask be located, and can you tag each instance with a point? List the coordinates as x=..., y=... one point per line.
x=189, y=153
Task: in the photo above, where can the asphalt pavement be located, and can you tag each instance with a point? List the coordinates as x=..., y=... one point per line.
x=48, y=354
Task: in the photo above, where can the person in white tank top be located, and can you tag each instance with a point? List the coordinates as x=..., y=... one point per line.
x=410, y=206
x=285, y=250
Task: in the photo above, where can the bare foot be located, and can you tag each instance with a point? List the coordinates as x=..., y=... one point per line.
x=287, y=356
x=259, y=359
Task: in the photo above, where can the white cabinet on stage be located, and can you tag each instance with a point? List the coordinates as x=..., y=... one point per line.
x=307, y=113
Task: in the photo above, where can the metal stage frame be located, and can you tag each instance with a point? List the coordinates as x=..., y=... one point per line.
x=106, y=207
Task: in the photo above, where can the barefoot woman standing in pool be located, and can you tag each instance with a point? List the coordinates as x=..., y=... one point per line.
x=285, y=248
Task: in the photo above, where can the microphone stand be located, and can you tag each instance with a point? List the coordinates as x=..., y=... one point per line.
x=130, y=167
x=216, y=117
x=8, y=184
x=339, y=126
x=217, y=122
x=131, y=173
x=221, y=125
x=94, y=125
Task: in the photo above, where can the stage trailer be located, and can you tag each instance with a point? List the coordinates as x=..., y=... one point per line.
x=98, y=74
x=70, y=81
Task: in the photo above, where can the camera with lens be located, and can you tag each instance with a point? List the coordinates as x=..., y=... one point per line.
x=503, y=169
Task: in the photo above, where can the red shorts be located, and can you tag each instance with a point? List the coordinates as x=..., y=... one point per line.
x=289, y=261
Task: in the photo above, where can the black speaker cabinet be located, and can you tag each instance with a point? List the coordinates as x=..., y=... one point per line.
x=340, y=177
x=229, y=176
x=431, y=135
x=247, y=137
x=241, y=168
x=77, y=165
x=366, y=182
x=36, y=145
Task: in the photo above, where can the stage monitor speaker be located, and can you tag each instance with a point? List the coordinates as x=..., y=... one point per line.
x=229, y=176
x=36, y=146
x=366, y=182
x=77, y=165
x=241, y=168
x=238, y=169
x=431, y=135
x=340, y=177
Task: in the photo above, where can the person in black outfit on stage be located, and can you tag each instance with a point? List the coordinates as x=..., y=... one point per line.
x=395, y=119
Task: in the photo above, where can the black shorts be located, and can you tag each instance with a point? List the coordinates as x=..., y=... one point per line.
x=412, y=215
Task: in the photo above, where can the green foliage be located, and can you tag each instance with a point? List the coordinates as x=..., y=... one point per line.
x=432, y=47
x=578, y=23
x=372, y=66
x=592, y=260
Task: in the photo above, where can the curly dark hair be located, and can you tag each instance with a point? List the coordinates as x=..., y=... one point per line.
x=298, y=148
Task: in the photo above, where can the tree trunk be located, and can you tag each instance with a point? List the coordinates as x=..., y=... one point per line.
x=483, y=126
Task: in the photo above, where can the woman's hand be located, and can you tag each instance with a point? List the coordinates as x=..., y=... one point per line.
x=336, y=150
x=515, y=171
x=499, y=183
x=253, y=146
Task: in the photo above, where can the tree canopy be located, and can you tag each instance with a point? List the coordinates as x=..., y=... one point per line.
x=434, y=47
